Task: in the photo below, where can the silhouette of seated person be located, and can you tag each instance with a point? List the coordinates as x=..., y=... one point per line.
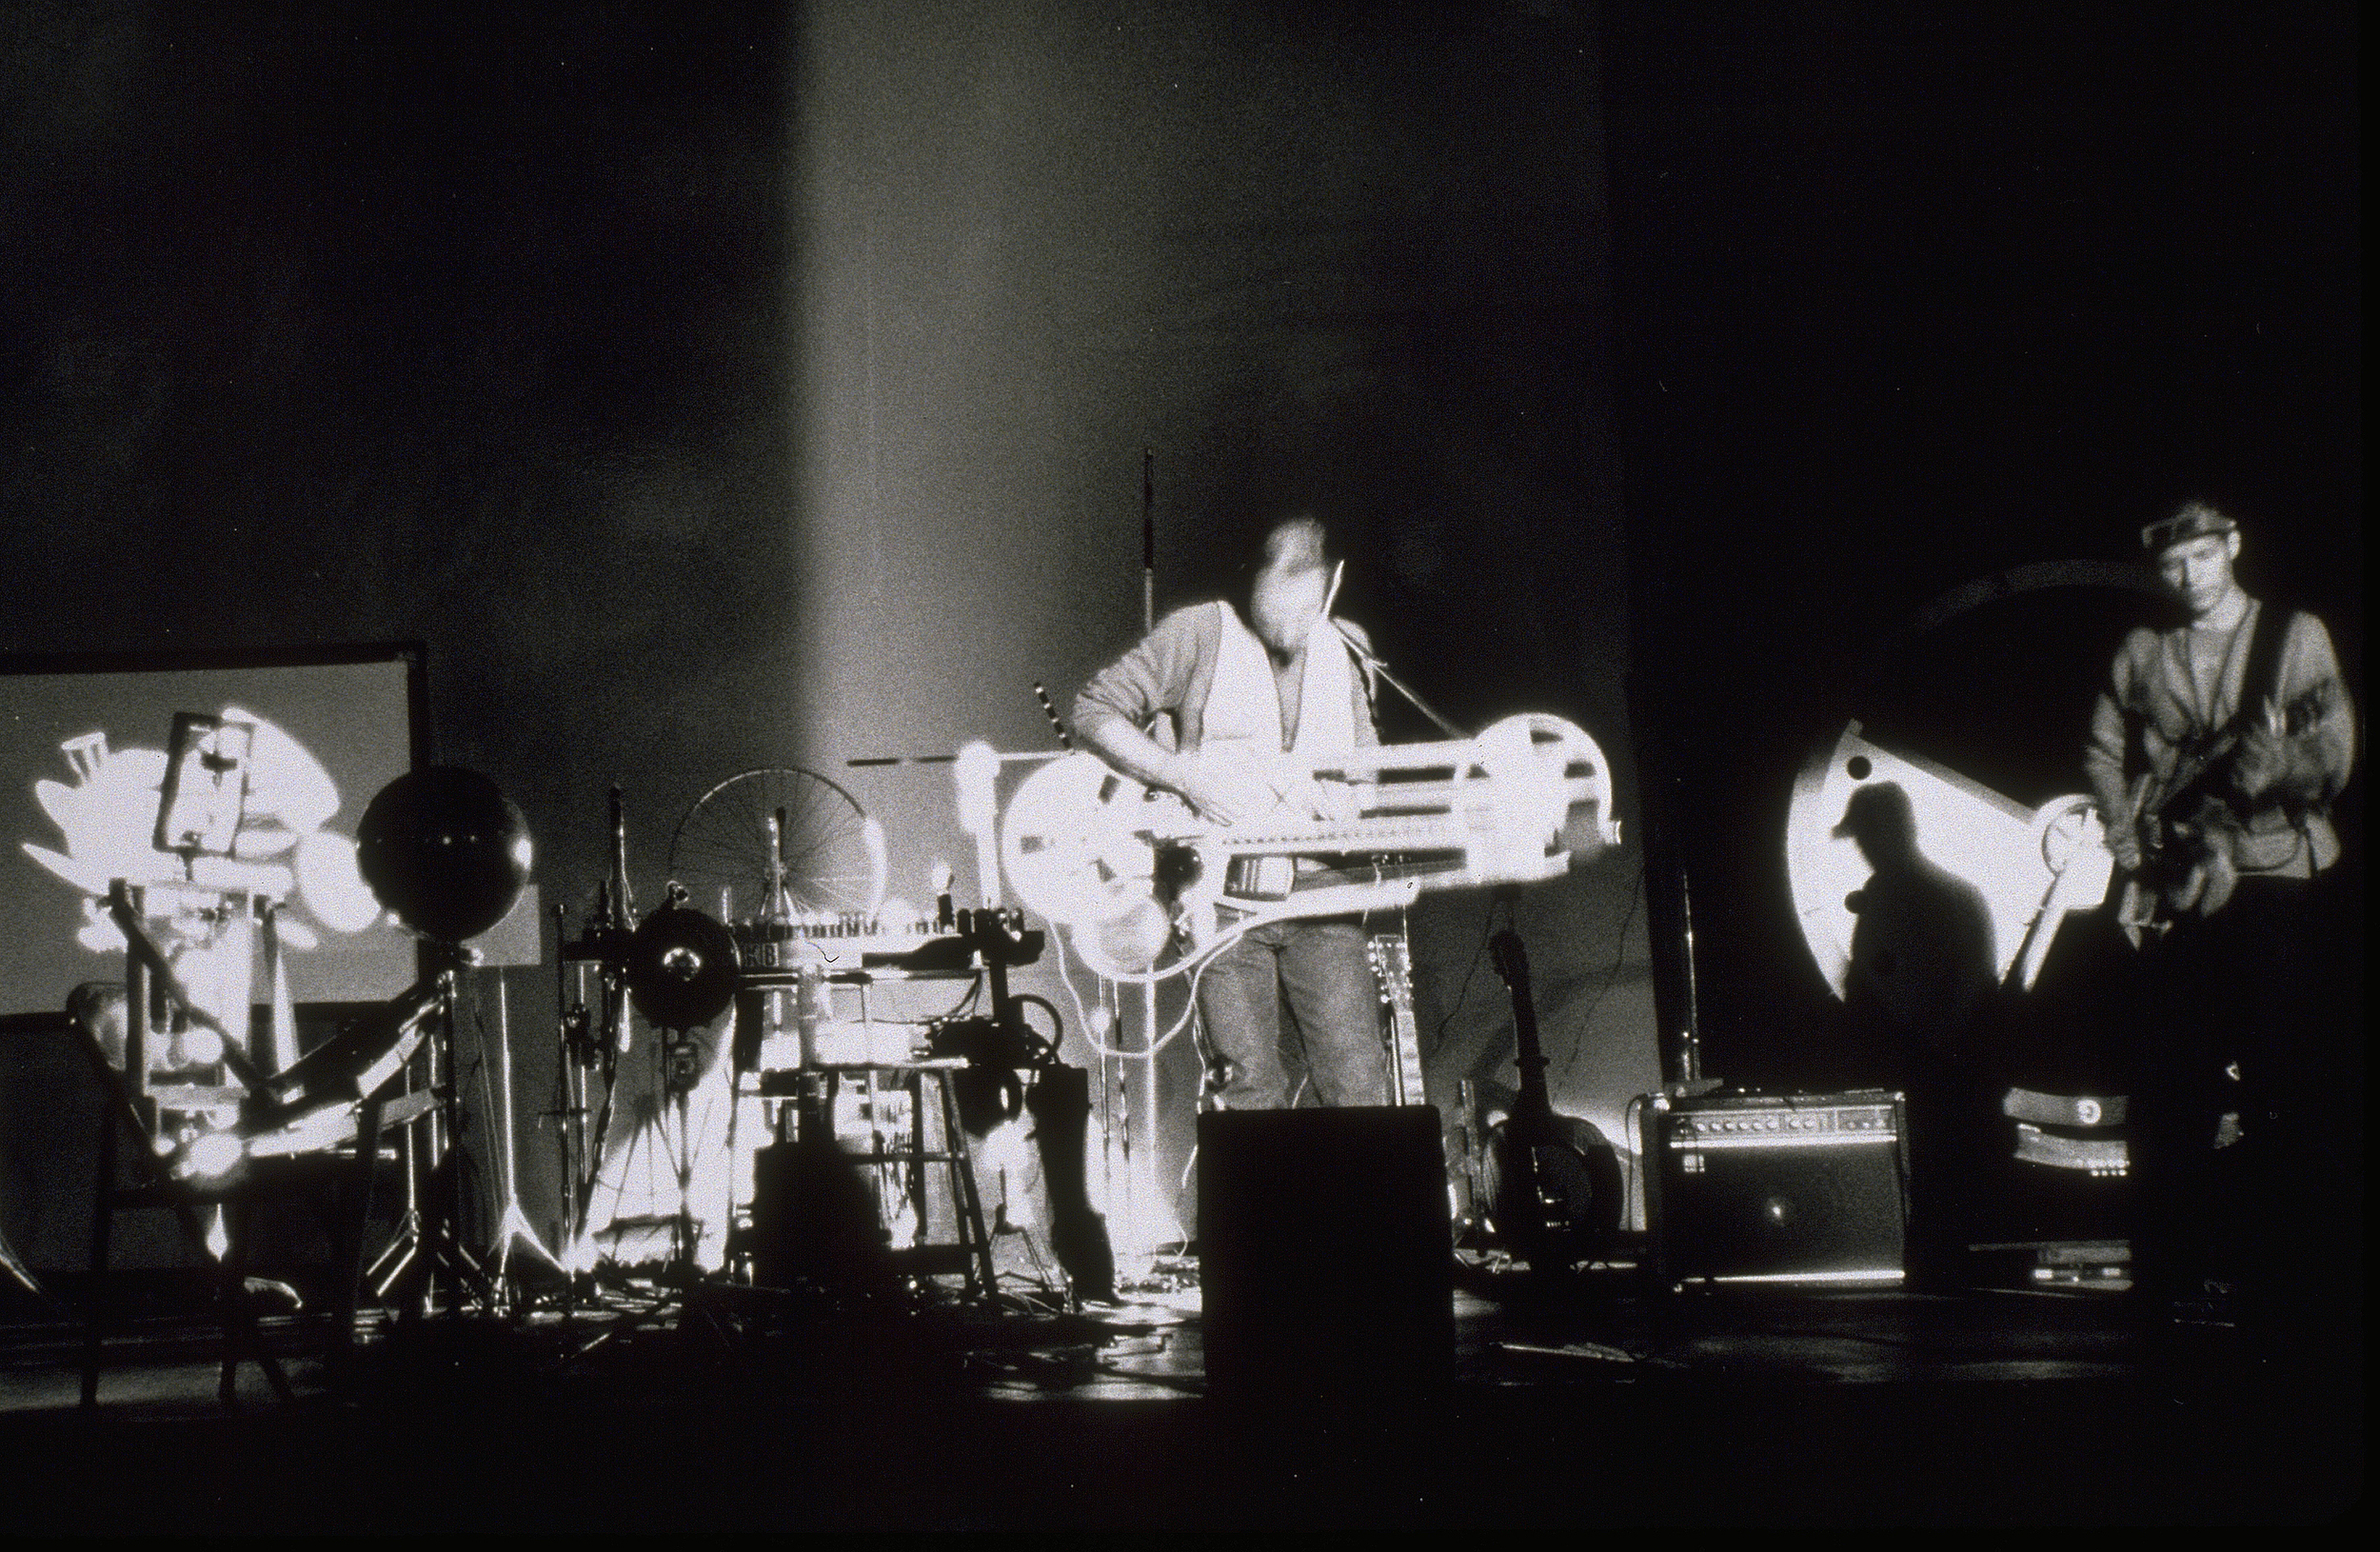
x=1920, y=991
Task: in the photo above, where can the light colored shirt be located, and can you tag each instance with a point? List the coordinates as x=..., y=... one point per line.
x=1171, y=671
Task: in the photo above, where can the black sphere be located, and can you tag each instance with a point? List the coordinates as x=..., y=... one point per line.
x=444, y=851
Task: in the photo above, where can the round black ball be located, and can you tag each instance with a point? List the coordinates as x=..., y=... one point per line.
x=445, y=850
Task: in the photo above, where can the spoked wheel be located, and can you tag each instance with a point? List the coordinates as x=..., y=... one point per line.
x=831, y=851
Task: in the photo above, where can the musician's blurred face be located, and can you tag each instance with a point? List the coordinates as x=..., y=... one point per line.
x=1286, y=594
x=1284, y=604
x=2199, y=570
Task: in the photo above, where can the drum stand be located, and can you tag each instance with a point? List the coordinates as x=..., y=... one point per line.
x=683, y=1268
x=682, y=1273
x=574, y=1061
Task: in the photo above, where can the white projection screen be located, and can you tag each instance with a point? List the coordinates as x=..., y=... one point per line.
x=349, y=729
x=82, y=747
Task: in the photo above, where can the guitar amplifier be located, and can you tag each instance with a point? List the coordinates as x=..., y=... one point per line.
x=1778, y=1188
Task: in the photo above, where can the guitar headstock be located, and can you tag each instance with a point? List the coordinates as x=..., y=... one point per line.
x=1392, y=964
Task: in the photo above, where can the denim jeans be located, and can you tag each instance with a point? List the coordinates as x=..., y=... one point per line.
x=1319, y=971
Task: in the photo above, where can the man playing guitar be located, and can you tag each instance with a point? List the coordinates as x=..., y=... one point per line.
x=2215, y=752
x=1239, y=683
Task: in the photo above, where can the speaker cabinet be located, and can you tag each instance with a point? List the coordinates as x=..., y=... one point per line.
x=1325, y=1253
x=1767, y=1188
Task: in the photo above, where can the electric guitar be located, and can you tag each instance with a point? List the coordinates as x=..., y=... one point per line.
x=2188, y=825
x=1147, y=887
x=1392, y=965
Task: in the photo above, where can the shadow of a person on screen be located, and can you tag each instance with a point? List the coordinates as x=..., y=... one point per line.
x=1921, y=987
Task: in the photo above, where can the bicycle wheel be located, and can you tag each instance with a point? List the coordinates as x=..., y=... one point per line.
x=832, y=853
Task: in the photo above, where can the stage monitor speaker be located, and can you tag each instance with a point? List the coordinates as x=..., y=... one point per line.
x=1787, y=1189
x=1325, y=1253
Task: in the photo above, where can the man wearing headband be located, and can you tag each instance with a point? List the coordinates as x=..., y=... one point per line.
x=2216, y=752
x=1233, y=686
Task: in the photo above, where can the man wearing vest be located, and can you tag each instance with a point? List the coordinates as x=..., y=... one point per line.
x=1238, y=683
x=2216, y=752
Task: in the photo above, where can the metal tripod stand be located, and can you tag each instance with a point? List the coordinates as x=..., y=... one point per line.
x=512, y=1224
x=427, y=1245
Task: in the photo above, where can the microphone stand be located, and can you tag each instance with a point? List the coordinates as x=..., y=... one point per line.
x=1372, y=664
x=427, y=1249
x=615, y=920
x=573, y=1060
x=428, y=1246
x=1148, y=1165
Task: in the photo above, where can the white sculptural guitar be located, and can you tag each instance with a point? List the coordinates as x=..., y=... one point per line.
x=1146, y=888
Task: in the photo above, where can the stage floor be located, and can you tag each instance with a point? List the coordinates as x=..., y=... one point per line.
x=1584, y=1404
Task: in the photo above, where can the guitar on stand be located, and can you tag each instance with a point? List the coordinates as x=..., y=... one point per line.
x=1392, y=966
x=1554, y=1185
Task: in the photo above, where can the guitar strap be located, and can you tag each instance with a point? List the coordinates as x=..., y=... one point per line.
x=2260, y=676
x=2259, y=683
x=2260, y=680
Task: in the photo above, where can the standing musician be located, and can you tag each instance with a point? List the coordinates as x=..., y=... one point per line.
x=1238, y=684
x=2216, y=752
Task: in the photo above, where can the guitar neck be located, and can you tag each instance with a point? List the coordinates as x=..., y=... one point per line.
x=1512, y=962
x=1407, y=1035
x=1392, y=965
